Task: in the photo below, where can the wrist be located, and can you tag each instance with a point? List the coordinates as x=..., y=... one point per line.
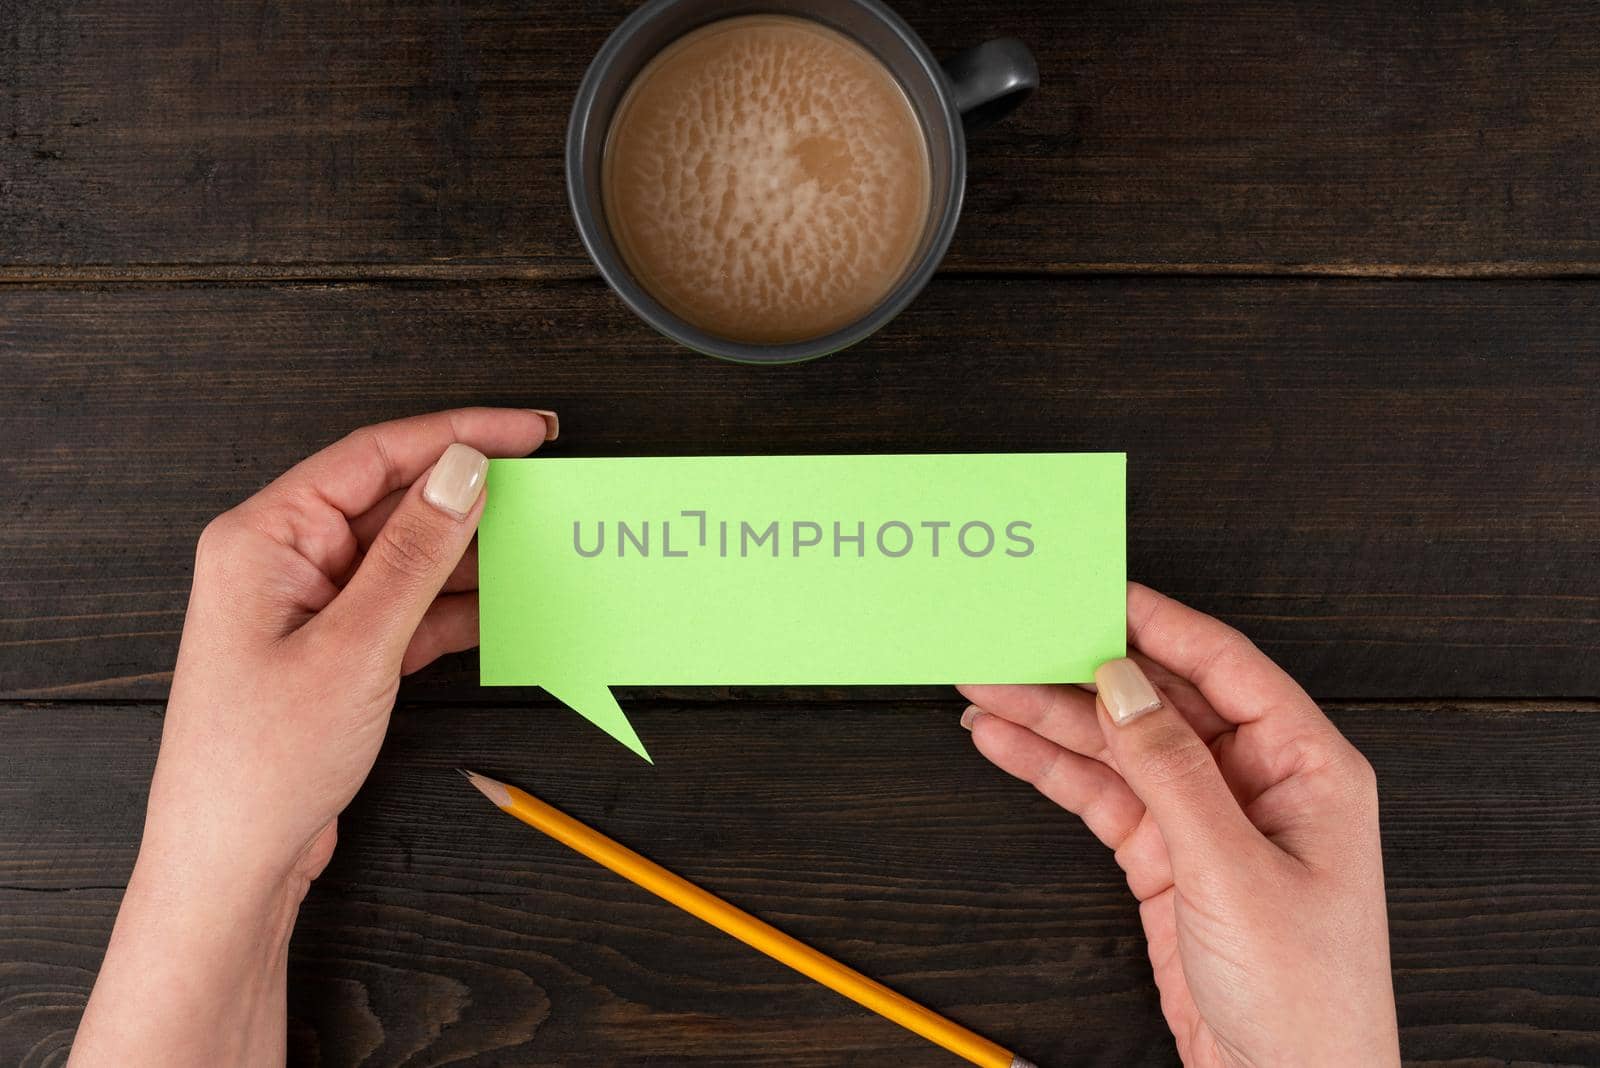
x=232, y=830
x=213, y=894
x=197, y=968
x=240, y=900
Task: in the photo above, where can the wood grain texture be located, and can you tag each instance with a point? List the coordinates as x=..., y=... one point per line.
x=445, y=932
x=1390, y=485
x=1365, y=137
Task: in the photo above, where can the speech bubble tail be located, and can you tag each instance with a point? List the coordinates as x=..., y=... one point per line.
x=595, y=703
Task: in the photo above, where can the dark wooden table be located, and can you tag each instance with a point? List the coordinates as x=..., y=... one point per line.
x=1328, y=272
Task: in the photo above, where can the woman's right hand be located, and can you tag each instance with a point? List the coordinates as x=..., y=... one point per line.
x=1246, y=824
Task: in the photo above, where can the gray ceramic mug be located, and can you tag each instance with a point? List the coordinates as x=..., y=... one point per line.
x=972, y=89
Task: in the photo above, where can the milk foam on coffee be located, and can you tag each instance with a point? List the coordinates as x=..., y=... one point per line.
x=766, y=179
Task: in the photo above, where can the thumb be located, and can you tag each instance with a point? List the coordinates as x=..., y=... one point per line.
x=1172, y=771
x=417, y=548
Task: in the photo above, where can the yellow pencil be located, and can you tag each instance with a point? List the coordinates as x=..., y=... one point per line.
x=745, y=927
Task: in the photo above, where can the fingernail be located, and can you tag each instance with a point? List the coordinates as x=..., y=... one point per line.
x=1127, y=694
x=457, y=480
x=970, y=716
x=552, y=423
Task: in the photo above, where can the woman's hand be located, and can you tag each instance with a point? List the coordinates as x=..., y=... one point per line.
x=310, y=600
x=1247, y=827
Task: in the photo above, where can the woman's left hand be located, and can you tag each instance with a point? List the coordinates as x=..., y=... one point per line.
x=310, y=601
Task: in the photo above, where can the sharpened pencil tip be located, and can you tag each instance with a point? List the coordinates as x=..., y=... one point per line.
x=1018, y=1062
x=493, y=789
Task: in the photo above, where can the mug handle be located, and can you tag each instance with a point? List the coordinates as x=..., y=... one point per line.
x=988, y=81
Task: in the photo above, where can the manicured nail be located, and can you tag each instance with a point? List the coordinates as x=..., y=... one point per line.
x=1126, y=693
x=970, y=716
x=457, y=480
x=552, y=423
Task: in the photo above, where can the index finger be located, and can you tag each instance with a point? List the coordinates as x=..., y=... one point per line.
x=1241, y=682
x=362, y=468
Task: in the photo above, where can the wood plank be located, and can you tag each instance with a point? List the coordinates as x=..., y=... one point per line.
x=1364, y=137
x=444, y=931
x=1390, y=485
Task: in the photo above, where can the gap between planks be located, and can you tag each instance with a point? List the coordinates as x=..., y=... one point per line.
x=1474, y=706
x=453, y=271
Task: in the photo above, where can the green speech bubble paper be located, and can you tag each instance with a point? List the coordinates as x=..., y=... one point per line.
x=798, y=570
